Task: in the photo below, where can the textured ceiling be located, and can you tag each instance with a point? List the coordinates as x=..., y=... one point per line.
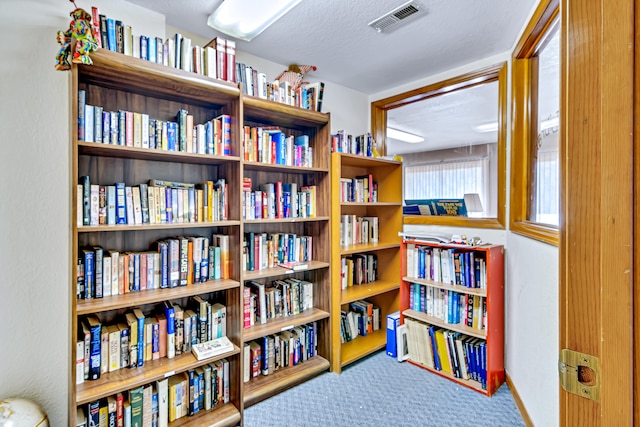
x=334, y=36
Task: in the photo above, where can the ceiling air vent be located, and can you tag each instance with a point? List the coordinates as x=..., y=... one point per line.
x=397, y=15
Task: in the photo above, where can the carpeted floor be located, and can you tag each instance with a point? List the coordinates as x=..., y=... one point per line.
x=380, y=391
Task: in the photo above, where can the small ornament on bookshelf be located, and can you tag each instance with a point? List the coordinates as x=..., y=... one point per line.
x=79, y=35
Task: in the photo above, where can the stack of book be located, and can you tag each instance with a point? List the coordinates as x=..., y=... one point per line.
x=281, y=298
x=361, y=319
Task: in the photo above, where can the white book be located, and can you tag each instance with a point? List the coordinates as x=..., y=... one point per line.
x=106, y=276
x=137, y=207
x=80, y=362
x=145, y=130
x=262, y=86
x=95, y=203
x=115, y=257
x=79, y=203
x=114, y=348
x=88, y=123
x=128, y=193
x=163, y=402
x=186, y=54
x=111, y=204
x=210, y=62
x=171, y=53
x=212, y=348
x=246, y=374
x=128, y=40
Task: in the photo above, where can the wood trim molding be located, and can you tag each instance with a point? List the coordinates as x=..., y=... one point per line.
x=496, y=72
x=524, y=107
x=518, y=401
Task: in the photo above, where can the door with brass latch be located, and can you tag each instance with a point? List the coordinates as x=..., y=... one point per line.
x=598, y=213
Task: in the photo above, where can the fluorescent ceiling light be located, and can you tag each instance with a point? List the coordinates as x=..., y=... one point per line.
x=548, y=124
x=403, y=136
x=492, y=127
x=245, y=19
x=488, y=127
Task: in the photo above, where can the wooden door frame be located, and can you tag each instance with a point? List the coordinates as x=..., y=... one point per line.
x=597, y=204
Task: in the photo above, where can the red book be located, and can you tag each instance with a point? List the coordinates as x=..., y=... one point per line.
x=129, y=128
x=247, y=306
x=162, y=322
x=143, y=271
x=119, y=410
x=221, y=57
x=231, y=61
x=95, y=25
x=279, y=200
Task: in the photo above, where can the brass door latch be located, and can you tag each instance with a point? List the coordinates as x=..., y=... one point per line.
x=580, y=373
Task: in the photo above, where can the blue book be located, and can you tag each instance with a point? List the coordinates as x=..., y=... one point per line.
x=136, y=272
x=141, y=342
x=121, y=204
x=152, y=134
x=124, y=346
x=225, y=122
x=434, y=348
x=151, y=49
x=168, y=206
x=144, y=47
x=278, y=139
x=113, y=128
x=89, y=275
x=163, y=249
x=192, y=205
x=95, y=354
x=111, y=34
x=172, y=128
x=422, y=261
x=106, y=127
x=111, y=205
x=174, y=203
x=122, y=127
x=155, y=409
x=208, y=131
x=82, y=96
x=93, y=413
x=393, y=322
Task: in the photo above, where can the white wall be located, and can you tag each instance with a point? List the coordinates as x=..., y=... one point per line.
x=35, y=309
x=531, y=289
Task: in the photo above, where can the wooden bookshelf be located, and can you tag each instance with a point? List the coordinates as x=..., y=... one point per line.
x=438, y=317
x=296, y=122
x=118, y=82
x=384, y=291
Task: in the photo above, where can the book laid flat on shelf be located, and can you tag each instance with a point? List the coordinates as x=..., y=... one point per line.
x=212, y=348
x=294, y=265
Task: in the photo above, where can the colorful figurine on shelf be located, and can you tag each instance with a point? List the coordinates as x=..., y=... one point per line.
x=294, y=74
x=77, y=41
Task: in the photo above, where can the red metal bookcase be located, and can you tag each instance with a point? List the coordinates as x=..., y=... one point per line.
x=494, y=294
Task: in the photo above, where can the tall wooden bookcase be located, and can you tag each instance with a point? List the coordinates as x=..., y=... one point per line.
x=118, y=82
x=384, y=291
x=490, y=360
x=293, y=121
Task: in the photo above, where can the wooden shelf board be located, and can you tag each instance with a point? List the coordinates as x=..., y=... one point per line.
x=478, y=333
x=362, y=161
x=362, y=346
x=356, y=292
x=369, y=247
x=475, y=385
x=283, y=323
x=276, y=113
x=376, y=204
x=282, y=168
x=124, y=152
x=126, y=378
x=115, y=70
x=281, y=271
x=459, y=289
x=134, y=227
x=225, y=415
x=151, y=296
x=262, y=387
x=285, y=220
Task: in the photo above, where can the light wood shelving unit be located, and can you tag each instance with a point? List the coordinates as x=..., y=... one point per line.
x=384, y=292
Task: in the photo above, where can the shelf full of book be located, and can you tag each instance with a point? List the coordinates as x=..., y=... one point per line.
x=367, y=217
x=156, y=175
x=452, y=301
x=286, y=229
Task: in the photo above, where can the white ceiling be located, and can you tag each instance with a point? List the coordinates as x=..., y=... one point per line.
x=334, y=36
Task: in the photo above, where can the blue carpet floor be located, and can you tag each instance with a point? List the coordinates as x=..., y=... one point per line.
x=380, y=391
